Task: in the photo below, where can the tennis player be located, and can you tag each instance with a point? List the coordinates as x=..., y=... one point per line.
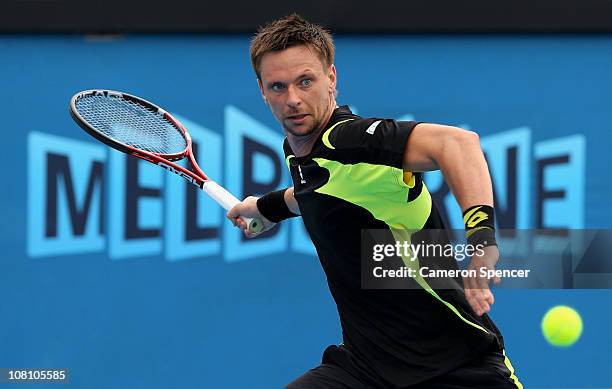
x=352, y=173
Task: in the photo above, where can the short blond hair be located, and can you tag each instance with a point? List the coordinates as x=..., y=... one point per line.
x=290, y=31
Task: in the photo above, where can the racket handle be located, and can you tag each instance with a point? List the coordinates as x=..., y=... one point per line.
x=227, y=201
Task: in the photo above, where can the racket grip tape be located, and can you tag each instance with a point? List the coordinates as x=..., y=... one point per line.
x=227, y=201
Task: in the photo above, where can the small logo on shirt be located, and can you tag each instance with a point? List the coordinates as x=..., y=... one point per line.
x=302, y=181
x=372, y=127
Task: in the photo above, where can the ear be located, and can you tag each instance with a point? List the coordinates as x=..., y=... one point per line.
x=263, y=95
x=332, y=78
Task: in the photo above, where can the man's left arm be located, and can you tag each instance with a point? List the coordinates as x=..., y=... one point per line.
x=458, y=155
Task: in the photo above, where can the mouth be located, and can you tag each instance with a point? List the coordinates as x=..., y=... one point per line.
x=297, y=118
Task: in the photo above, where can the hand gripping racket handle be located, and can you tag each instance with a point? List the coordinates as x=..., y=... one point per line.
x=227, y=201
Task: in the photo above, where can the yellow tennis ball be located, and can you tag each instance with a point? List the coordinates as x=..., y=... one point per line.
x=561, y=326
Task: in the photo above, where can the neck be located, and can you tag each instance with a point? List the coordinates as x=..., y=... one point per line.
x=302, y=145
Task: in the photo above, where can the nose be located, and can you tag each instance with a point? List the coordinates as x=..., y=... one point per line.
x=293, y=98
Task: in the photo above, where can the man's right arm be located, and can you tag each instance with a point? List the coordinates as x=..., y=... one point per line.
x=271, y=208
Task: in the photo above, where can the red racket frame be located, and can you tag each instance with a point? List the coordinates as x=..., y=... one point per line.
x=196, y=176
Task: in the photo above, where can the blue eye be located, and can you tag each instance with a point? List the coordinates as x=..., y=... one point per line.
x=277, y=87
x=306, y=82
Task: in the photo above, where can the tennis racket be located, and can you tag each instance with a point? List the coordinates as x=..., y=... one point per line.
x=137, y=127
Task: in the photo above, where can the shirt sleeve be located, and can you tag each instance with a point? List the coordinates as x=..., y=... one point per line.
x=375, y=141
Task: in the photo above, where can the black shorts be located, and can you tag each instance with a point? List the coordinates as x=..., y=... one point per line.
x=337, y=371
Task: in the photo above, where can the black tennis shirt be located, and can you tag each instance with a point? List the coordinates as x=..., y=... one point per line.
x=353, y=180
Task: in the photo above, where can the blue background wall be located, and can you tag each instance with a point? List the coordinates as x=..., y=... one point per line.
x=222, y=313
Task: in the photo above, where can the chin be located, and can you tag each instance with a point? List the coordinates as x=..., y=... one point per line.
x=300, y=130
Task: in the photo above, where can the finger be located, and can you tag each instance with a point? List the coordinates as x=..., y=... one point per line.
x=486, y=308
x=469, y=294
x=241, y=224
x=486, y=299
x=235, y=211
x=236, y=222
x=478, y=302
x=232, y=215
x=249, y=233
x=486, y=296
x=232, y=220
x=489, y=297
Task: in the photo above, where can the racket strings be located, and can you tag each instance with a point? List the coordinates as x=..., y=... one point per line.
x=132, y=124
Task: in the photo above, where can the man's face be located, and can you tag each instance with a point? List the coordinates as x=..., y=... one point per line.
x=298, y=88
